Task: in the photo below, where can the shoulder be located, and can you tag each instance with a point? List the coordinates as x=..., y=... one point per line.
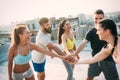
x=64, y=35
x=12, y=50
x=42, y=37
x=107, y=49
x=39, y=34
x=12, y=47
x=91, y=31
x=42, y=34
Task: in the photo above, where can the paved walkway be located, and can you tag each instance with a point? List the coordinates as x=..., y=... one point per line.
x=55, y=70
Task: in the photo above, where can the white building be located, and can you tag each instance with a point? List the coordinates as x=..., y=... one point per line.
x=82, y=19
x=33, y=25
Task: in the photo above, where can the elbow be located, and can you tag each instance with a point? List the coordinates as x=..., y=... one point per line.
x=10, y=63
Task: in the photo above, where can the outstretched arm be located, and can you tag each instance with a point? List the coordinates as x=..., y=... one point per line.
x=98, y=57
x=81, y=46
x=39, y=49
x=51, y=46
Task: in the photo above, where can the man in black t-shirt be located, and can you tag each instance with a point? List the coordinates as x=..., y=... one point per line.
x=107, y=66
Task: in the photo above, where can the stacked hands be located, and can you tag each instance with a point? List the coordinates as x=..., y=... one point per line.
x=71, y=58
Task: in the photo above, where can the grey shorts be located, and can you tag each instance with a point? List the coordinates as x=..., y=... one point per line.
x=21, y=76
x=107, y=67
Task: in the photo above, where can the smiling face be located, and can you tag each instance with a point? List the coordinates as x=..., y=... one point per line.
x=67, y=26
x=97, y=18
x=25, y=36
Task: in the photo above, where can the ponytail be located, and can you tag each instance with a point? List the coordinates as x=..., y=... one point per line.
x=19, y=29
x=61, y=31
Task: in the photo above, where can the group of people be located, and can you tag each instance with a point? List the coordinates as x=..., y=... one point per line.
x=105, y=47
x=103, y=40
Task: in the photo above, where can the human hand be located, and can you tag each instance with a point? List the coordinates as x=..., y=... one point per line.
x=71, y=59
x=52, y=57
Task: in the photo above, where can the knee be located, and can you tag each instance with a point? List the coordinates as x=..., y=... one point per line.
x=41, y=76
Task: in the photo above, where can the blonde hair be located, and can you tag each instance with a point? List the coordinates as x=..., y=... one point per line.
x=19, y=29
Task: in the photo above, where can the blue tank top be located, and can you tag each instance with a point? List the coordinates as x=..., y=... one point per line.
x=20, y=59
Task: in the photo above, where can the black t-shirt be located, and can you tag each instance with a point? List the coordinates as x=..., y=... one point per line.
x=95, y=43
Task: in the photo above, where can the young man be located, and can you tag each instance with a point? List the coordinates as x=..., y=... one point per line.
x=107, y=66
x=43, y=40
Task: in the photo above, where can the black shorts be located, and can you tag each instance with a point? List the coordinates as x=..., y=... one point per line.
x=107, y=67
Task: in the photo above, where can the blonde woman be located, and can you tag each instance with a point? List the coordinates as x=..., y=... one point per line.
x=19, y=54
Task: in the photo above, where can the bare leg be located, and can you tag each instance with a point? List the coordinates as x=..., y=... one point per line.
x=41, y=76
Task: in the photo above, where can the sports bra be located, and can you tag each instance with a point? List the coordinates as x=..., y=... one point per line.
x=70, y=43
x=20, y=59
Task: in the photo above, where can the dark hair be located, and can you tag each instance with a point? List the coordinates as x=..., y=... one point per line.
x=99, y=11
x=19, y=29
x=43, y=20
x=61, y=30
x=109, y=24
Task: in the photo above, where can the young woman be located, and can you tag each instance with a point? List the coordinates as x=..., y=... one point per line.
x=105, y=66
x=19, y=54
x=66, y=38
x=107, y=31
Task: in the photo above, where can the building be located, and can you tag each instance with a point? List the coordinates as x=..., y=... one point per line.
x=33, y=26
x=82, y=19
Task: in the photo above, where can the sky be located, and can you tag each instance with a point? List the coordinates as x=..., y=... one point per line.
x=22, y=10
